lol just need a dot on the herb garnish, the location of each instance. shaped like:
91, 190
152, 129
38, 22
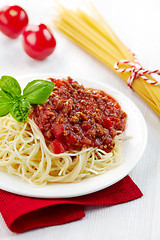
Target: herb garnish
17, 104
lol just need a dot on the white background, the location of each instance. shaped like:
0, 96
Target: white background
137, 24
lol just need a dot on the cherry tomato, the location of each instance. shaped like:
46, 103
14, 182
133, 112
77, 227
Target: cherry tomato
38, 41
13, 20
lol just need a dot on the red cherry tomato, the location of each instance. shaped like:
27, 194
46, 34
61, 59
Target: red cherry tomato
13, 20
38, 41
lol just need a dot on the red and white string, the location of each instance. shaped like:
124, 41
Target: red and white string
136, 71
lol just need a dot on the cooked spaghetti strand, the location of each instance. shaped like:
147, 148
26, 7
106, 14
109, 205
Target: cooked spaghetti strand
23, 152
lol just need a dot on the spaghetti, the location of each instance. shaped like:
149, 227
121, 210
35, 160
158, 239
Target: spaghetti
94, 35
23, 152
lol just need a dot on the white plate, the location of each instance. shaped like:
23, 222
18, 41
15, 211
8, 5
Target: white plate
132, 149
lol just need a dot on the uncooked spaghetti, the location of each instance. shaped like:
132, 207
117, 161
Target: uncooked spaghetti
92, 33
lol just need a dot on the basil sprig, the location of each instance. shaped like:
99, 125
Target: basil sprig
38, 91
17, 104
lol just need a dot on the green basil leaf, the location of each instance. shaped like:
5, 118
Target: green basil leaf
5, 108
6, 103
4, 97
20, 110
38, 91
10, 86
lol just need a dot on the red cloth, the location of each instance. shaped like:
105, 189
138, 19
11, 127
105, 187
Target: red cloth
25, 213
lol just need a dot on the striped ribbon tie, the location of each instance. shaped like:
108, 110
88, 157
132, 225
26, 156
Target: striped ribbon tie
136, 71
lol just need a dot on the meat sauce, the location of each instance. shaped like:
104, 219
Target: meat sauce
74, 117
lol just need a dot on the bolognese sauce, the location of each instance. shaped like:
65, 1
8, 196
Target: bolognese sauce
75, 117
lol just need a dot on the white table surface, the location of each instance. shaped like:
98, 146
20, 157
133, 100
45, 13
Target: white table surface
137, 24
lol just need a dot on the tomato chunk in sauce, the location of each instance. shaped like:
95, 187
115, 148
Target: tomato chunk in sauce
75, 117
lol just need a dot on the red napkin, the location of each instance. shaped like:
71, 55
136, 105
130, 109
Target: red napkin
23, 213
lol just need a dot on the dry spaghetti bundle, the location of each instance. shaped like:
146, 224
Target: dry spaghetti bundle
92, 33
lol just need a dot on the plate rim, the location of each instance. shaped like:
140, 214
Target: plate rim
97, 188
